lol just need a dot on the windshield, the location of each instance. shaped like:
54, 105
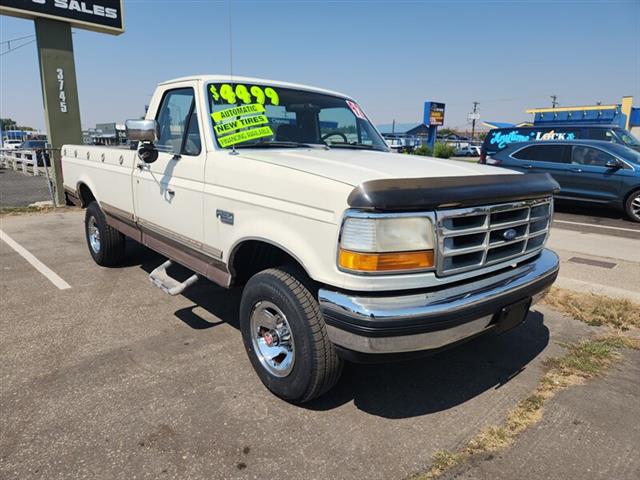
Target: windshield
260, 116
625, 152
34, 144
627, 138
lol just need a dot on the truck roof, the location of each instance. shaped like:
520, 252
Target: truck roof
253, 80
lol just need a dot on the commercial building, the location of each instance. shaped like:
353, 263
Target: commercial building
623, 115
105, 134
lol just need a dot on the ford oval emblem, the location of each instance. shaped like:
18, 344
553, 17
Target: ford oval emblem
509, 234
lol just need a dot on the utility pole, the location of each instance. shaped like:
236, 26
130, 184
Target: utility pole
473, 120
554, 102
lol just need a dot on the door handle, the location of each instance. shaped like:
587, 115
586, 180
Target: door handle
528, 166
143, 166
576, 170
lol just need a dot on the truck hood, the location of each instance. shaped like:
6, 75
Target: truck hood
354, 167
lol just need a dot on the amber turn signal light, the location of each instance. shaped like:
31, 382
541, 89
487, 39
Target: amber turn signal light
385, 262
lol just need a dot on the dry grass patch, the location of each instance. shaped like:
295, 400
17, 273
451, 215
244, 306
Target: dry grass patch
582, 361
12, 211
595, 309
443, 460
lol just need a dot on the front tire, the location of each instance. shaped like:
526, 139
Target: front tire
285, 336
106, 244
632, 206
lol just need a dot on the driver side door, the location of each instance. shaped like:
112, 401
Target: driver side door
169, 192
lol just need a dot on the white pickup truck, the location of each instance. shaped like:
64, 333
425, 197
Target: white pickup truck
345, 250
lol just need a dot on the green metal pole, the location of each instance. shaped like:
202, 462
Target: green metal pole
59, 92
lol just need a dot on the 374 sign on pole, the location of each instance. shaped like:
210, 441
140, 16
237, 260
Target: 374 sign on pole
104, 16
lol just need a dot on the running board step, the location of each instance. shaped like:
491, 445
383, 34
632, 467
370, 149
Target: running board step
161, 279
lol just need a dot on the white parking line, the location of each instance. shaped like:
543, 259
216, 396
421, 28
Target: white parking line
597, 226
37, 264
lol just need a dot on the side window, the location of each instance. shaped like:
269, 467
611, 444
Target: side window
178, 123
590, 156
545, 153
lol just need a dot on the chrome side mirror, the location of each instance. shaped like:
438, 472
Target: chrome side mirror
145, 132
142, 130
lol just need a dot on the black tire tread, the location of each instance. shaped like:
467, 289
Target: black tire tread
112, 242
328, 364
627, 206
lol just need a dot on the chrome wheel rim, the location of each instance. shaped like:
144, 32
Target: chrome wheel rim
272, 339
94, 235
635, 205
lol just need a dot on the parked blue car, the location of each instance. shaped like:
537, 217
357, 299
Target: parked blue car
590, 171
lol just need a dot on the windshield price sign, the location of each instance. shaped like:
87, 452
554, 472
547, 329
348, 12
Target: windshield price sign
433, 113
104, 16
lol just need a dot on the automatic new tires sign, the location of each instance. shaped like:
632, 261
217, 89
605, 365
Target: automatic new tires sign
104, 16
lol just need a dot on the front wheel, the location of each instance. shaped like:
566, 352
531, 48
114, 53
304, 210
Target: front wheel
106, 244
285, 337
632, 206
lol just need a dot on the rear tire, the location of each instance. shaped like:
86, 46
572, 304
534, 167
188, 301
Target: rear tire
632, 206
278, 311
106, 244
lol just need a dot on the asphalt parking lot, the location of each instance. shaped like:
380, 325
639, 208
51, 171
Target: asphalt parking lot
20, 190
111, 378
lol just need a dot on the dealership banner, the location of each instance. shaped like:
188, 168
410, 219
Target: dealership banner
101, 15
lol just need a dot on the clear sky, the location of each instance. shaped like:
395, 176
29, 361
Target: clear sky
390, 55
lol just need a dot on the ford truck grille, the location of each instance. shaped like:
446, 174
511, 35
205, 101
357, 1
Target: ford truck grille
476, 237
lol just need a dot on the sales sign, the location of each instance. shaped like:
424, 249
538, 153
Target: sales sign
433, 113
104, 16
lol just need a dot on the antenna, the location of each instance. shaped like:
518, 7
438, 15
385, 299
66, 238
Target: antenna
230, 44
233, 147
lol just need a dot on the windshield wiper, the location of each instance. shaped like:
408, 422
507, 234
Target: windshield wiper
355, 146
274, 144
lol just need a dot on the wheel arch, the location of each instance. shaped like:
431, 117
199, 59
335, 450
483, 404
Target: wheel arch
85, 194
264, 254
633, 190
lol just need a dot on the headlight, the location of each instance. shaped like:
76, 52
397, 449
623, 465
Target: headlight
386, 244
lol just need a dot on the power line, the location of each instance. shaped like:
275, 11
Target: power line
16, 48
16, 39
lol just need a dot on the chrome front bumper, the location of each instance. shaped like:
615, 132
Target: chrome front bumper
435, 318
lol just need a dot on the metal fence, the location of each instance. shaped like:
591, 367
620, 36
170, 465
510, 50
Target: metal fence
30, 162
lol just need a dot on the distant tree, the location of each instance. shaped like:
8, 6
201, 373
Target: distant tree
7, 124
10, 124
482, 135
446, 131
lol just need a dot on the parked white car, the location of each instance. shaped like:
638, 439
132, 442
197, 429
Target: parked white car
344, 250
11, 144
468, 151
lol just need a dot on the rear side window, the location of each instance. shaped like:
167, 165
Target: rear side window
178, 123
545, 153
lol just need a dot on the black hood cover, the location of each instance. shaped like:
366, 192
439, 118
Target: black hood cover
430, 193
